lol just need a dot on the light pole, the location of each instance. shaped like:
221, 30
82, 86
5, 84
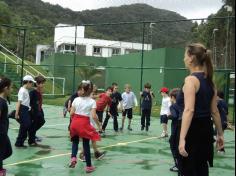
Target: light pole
151, 33
229, 9
214, 46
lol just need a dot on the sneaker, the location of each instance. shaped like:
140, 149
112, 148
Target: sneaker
20, 146
121, 129
142, 128
34, 144
164, 135
99, 155
38, 139
90, 169
174, 169
147, 129
3, 172
82, 157
221, 152
129, 128
73, 162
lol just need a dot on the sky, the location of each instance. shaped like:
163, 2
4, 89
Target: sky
190, 9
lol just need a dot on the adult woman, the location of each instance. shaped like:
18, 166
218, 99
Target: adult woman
198, 103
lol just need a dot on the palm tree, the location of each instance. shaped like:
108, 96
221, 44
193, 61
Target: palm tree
89, 72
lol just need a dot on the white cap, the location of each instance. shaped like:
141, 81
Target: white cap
29, 78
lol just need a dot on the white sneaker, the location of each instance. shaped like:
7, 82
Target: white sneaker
164, 135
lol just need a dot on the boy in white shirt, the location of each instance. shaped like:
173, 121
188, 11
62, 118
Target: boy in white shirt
165, 110
22, 110
129, 100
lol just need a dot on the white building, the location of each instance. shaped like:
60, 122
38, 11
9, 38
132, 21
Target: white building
64, 42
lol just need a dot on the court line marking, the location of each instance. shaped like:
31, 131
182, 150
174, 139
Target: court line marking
45, 126
66, 154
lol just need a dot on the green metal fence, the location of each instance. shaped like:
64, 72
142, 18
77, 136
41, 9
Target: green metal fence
128, 52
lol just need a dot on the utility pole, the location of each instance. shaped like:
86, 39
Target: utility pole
151, 33
214, 46
23, 55
229, 10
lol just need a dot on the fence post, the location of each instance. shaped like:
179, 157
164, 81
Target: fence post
74, 62
23, 56
63, 90
141, 78
53, 86
5, 64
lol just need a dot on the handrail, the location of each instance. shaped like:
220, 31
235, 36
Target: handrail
28, 72
10, 52
6, 56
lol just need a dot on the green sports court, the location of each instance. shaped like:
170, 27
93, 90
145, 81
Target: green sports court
133, 153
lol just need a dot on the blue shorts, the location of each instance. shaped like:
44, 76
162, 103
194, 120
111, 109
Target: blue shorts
164, 119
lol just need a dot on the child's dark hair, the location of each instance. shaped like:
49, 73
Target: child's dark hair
4, 82
114, 84
148, 86
220, 94
87, 86
174, 92
26, 82
40, 79
109, 88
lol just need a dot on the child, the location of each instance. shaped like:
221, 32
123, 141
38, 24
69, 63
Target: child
68, 103
65, 108
82, 108
116, 99
97, 154
223, 110
103, 102
165, 110
174, 116
22, 110
129, 100
71, 99
147, 96
5, 145
37, 114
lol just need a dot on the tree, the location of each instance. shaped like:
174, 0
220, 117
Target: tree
89, 72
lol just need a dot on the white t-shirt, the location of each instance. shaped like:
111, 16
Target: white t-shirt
84, 105
129, 100
165, 106
23, 96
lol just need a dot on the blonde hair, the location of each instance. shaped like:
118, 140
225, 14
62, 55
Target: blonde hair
202, 57
128, 86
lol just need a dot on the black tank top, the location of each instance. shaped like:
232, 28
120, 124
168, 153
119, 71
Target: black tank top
203, 99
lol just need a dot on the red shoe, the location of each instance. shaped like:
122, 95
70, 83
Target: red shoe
73, 162
90, 169
3, 172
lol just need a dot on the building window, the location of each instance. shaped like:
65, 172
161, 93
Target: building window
69, 48
116, 51
97, 51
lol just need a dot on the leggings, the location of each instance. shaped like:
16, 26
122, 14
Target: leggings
86, 146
